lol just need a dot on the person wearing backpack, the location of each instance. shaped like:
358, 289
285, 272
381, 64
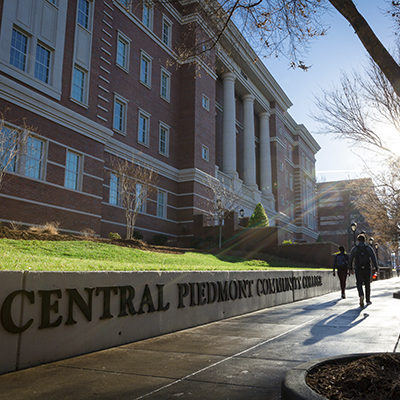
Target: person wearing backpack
341, 263
362, 255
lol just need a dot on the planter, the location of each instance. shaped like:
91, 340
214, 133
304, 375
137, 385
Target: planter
294, 386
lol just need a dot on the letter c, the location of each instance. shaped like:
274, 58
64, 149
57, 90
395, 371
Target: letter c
5, 313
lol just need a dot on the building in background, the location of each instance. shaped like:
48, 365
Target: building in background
95, 79
336, 212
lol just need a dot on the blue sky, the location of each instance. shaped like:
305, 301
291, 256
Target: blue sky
339, 51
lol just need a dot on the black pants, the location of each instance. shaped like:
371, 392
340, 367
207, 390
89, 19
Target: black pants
342, 274
363, 276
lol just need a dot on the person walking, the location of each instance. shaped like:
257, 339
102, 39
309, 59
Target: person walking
341, 264
362, 255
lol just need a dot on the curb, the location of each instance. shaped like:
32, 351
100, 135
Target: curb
294, 385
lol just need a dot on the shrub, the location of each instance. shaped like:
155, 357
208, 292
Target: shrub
15, 226
196, 241
137, 235
160, 240
88, 233
319, 239
50, 228
114, 236
259, 217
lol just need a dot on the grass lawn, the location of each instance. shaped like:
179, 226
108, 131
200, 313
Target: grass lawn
36, 255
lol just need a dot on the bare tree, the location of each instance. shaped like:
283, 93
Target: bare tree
13, 145
223, 202
359, 108
133, 184
378, 200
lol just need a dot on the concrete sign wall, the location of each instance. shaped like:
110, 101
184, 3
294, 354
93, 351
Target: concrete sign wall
48, 316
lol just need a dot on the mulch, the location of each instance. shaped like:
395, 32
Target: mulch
374, 377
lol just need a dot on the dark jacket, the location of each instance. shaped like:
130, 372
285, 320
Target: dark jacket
335, 264
370, 252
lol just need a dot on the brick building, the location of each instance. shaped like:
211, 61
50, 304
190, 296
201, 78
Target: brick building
336, 212
95, 79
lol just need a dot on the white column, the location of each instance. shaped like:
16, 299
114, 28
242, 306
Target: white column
265, 155
249, 148
229, 125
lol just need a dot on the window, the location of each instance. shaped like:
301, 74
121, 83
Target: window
144, 128
42, 64
147, 14
125, 3
166, 32
145, 69
115, 192
291, 182
282, 200
165, 84
19, 45
83, 13
140, 197
8, 149
281, 165
72, 170
161, 195
123, 52
205, 102
205, 153
78, 85
120, 115
34, 157
164, 140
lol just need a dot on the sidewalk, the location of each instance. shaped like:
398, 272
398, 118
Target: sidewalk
241, 358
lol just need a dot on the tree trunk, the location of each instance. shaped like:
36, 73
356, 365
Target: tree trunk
370, 41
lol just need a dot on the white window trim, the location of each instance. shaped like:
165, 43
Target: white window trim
123, 38
164, 204
205, 102
118, 192
168, 75
167, 21
143, 207
151, 19
80, 169
123, 6
146, 115
90, 19
42, 167
144, 55
207, 153
85, 100
51, 56
167, 129
119, 99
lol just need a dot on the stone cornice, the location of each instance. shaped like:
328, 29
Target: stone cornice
30, 100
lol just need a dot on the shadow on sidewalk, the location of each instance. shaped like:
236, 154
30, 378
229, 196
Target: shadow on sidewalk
335, 325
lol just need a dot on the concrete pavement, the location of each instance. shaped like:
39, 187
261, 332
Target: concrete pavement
245, 357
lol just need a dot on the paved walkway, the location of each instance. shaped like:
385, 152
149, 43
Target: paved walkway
241, 358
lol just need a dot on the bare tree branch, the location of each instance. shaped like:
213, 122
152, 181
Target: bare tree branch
223, 200
13, 145
135, 183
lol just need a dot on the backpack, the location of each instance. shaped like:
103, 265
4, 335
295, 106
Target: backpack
362, 257
341, 261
